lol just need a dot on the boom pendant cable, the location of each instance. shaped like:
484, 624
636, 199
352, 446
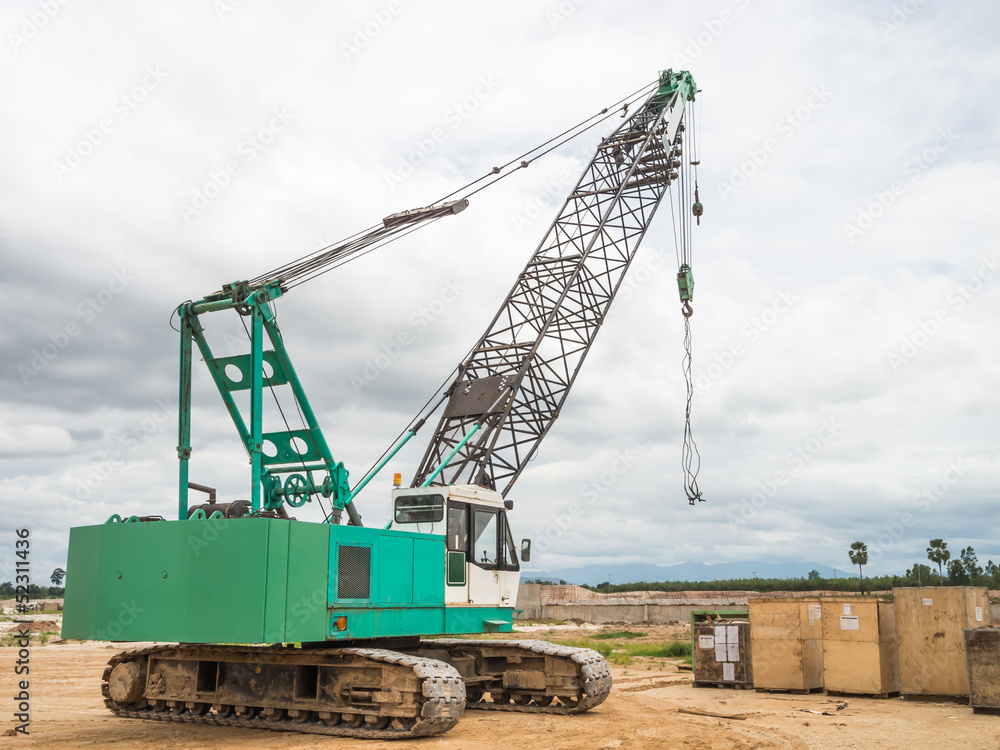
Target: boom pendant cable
399, 225
396, 226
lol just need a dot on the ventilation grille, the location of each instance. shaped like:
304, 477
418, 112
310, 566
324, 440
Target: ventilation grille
354, 572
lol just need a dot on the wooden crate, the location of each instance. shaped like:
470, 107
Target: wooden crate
859, 646
786, 639
982, 657
722, 653
929, 633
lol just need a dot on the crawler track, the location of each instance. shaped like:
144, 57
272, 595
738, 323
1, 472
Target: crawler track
528, 676
359, 692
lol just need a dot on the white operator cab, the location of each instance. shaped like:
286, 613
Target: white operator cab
482, 566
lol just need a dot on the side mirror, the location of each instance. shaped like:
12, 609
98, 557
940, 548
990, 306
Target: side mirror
525, 550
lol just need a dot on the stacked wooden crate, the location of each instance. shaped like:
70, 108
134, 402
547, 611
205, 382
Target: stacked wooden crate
786, 637
929, 631
859, 646
982, 656
722, 653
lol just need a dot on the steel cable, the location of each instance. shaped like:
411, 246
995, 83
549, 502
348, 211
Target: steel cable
690, 456
361, 243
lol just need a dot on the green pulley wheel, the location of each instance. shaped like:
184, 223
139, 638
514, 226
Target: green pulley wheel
297, 490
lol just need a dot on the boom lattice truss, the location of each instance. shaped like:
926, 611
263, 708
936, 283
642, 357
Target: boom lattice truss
510, 389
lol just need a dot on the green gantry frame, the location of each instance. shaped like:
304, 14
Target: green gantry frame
287, 466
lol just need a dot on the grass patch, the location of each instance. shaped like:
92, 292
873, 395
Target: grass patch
615, 635
604, 649
14, 639
672, 649
622, 652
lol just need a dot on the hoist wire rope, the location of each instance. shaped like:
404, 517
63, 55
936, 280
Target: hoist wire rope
681, 195
325, 259
359, 244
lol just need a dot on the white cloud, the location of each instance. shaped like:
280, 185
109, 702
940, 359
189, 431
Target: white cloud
19, 440
354, 119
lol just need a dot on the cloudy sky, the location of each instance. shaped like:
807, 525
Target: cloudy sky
848, 284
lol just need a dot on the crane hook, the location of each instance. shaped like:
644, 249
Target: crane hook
686, 310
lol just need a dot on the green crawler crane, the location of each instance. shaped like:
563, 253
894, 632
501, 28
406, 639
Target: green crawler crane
372, 608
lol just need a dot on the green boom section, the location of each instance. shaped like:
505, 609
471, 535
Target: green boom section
260, 580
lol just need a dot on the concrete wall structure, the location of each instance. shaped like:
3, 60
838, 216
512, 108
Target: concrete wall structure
576, 603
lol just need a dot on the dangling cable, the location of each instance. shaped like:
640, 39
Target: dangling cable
690, 457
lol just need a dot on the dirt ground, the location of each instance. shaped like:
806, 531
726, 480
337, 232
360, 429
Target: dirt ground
645, 710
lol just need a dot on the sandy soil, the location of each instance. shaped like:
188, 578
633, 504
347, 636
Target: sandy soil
651, 633
643, 711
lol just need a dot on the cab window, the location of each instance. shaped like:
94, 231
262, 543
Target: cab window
484, 546
509, 550
458, 528
419, 508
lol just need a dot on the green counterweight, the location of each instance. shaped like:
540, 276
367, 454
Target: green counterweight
152, 582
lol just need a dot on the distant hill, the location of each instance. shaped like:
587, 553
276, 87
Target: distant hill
691, 571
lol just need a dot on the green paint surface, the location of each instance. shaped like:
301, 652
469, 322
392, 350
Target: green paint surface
169, 580
258, 580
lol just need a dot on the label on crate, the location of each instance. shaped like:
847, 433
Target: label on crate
720, 633
706, 641
815, 613
733, 651
928, 602
847, 609
728, 672
849, 623
733, 634
720, 651
979, 614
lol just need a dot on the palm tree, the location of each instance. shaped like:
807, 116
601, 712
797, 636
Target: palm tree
938, 552
859, 556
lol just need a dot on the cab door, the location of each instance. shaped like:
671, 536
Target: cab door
484, 557
456, 580
509, 567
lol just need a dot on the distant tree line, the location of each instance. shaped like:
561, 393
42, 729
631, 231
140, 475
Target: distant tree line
918, 575
7, 591
545, 582
964, 570
761, 585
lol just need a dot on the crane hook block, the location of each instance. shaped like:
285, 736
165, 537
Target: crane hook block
685, 283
